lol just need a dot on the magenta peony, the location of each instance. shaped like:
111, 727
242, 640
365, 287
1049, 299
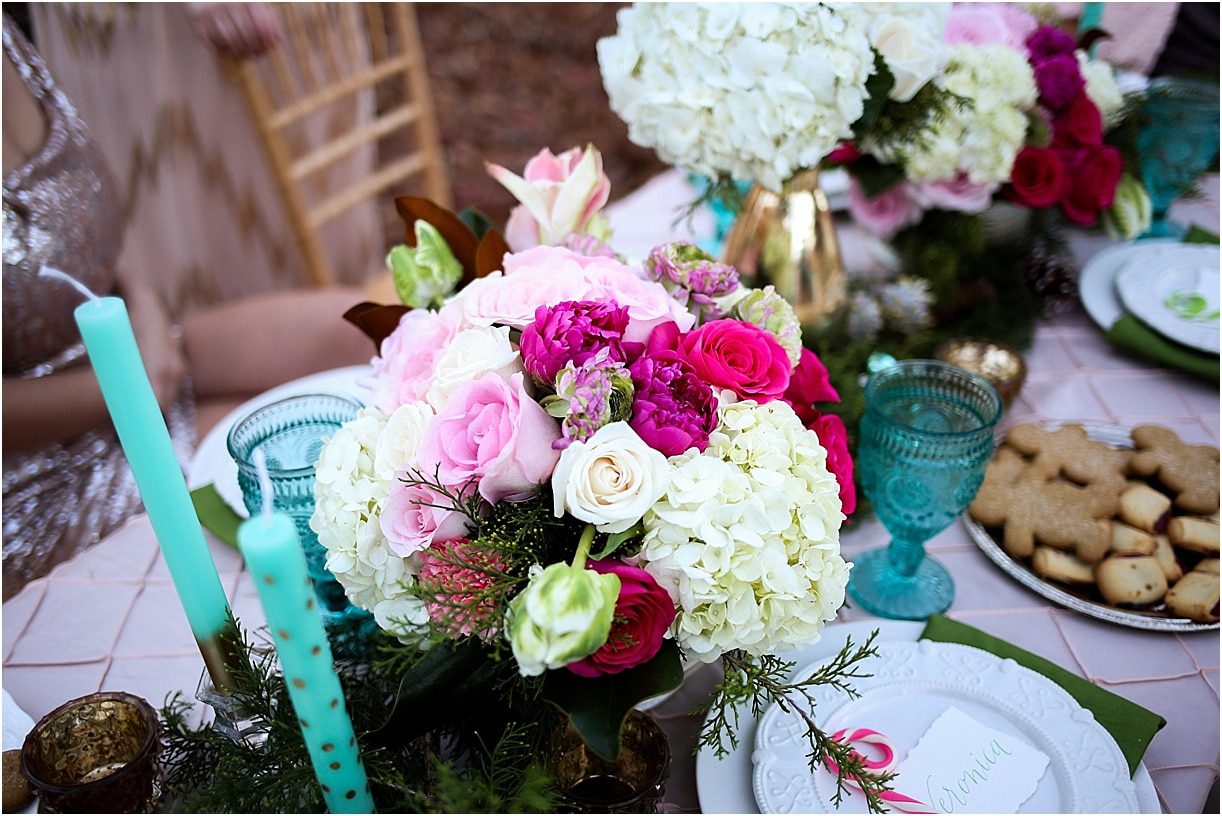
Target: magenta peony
672, 409
810, 383
1047, 42
572, 331
455, 577
835, 440
1059, 80
740, 357
643, 614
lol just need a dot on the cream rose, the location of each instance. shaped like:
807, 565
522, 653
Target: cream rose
915, 54
470, 355
610, 480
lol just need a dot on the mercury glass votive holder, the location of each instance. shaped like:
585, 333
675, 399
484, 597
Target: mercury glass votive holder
95, 754
1001, 365
633, 783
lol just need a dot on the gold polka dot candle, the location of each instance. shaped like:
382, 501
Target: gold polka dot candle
272, 549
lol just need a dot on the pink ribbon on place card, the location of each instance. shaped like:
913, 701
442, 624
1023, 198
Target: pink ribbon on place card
885, 764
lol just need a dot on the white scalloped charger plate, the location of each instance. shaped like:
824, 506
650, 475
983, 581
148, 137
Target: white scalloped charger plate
724, 785
1151, 285
915, 683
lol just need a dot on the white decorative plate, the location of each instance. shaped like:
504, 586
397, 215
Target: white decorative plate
212, 462
915, 683
1173, 289
1097, 283
724, 784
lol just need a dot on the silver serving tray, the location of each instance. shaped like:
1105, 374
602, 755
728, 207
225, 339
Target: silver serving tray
1085, 599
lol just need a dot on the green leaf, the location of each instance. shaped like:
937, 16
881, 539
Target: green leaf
876, 178
616, 540
477, 221
878, 86
449, 678
598, 706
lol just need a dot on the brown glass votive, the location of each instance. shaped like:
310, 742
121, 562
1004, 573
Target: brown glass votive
1001, 365
95, 754
634, 783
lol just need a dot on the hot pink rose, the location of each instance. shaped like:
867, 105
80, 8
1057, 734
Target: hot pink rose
643, 613
403, 372
989, 24
835, 440
492, 431
415, 516
740, 357
886, 213
559, 195
809, 383
959, 194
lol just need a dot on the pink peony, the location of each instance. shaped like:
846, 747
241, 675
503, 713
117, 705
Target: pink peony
456, 577
835, 440
672, 409
886, 213
492, 431
643, 614
403, 372
810, 383
740, 357
572, 331
559, 195
959, 194
992, 24
415, 516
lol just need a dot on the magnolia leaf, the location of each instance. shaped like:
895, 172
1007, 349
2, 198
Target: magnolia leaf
490, 256
1091, 36
878, 87
458, 236
598, 706
375, 320
616, 540
449, 678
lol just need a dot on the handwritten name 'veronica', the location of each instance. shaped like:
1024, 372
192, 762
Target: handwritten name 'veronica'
955, 792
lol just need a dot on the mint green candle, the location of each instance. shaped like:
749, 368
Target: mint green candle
142, 431
277, 565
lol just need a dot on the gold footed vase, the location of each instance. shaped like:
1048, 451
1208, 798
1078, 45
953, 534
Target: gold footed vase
788, 240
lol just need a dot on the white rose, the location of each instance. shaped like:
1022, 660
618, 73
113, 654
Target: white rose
396, 447
913, 59
1101, 87
610, 480
470, 355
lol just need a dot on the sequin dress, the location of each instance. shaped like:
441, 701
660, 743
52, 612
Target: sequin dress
60, 209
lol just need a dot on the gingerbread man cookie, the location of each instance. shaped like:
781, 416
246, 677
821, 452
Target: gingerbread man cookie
1189, 470
1068, 451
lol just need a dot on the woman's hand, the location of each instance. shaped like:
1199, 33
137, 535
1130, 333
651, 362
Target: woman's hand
160, 344
239, 30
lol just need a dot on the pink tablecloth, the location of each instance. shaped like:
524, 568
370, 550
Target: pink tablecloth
110, 620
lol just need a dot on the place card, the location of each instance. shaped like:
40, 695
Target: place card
963, 766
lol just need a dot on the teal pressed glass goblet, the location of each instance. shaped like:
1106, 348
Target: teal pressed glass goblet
1177, 144
923, 445
291, 433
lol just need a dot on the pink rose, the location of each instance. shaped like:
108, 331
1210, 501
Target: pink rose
491, 431
886, 213
648, 303
414, 517
835, 440
643, 613
809, 383
991, 24
559, 195
403, 372
959, 194
740, 357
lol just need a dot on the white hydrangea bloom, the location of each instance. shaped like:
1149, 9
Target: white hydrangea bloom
982, 139
753, 91
350, 486
746, 538
1101, 87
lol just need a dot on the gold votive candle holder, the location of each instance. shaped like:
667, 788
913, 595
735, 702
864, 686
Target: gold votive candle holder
95, 754
633, 783
1001, 365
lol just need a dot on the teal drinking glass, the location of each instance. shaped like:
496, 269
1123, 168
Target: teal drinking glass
923, 445
291, 433
1177, 143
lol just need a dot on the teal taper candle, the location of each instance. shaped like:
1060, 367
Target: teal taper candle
142, 431
273, 554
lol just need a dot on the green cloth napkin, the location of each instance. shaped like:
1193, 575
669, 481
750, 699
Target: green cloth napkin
215, 514
1199, 235
1132, 335
1129, 724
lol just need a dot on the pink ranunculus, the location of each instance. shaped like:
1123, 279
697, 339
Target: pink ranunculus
809, 383
492, 431
989, 24
886, 213
740, 357
558, 194
415, 516
403, 371
643, 614
835, 440
959, 194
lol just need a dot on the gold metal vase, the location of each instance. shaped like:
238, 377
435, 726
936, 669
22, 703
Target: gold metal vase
788, 240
